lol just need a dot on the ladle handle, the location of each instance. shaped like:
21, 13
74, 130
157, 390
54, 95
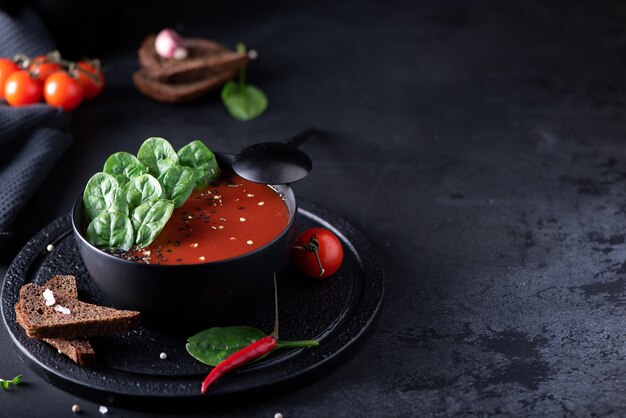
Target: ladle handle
303, 136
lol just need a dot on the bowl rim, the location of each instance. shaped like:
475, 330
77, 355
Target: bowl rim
78, 203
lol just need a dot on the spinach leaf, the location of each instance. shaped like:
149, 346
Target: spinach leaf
178, 183
197, 156
243, 101
142, 189
158, 155
124, 166
102, 195
149, 219
111, 230
213, 345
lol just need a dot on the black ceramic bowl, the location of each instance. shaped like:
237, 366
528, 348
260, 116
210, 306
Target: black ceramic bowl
215, 293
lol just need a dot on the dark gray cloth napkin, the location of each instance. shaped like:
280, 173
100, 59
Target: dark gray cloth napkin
32, 138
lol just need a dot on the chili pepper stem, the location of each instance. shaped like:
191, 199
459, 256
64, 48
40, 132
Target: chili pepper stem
297, 344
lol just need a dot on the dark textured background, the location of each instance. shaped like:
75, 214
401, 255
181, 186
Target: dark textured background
479, 144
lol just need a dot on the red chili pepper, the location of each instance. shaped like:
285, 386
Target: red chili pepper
239, 358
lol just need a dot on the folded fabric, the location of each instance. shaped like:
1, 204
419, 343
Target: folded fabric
32, 138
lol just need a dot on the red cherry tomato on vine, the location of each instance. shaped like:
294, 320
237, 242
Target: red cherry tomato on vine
91, 78
317, 252
21, 89
61, 90
7, 67
42, 68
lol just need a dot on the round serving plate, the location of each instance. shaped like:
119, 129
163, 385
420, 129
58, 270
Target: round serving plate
338, 312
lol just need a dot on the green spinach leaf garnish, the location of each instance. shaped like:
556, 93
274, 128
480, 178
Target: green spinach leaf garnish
178, 182
213, 345
197, 156
142, 189
112, 230
124, 167
158, 155
149, 219
243, 101
102, 195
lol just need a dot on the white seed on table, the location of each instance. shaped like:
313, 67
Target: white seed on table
76, 408
103, 409
163, 356
278, 415
50, 248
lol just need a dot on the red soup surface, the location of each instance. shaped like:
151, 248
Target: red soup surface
229, 218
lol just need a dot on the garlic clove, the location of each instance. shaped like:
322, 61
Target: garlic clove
169, 44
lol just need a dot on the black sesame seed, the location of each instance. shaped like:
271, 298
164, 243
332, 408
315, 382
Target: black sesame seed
169, 250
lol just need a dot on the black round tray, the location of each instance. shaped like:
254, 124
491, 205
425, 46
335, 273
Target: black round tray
337, 311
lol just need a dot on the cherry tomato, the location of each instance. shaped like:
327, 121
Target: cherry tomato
317, 253
21, 89
61, 90
91, 78
7, 67
42, 68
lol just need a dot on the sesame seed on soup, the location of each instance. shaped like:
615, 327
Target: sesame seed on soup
230, 217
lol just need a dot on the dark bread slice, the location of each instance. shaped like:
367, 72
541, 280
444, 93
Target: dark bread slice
176, 93
205, 60
84, 320
80, 351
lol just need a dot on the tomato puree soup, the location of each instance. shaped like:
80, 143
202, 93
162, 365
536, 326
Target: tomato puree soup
230, 217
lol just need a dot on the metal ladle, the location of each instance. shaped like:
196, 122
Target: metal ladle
275, 162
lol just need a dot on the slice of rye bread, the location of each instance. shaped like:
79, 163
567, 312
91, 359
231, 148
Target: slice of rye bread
177, 93
80, 351
205, 59
84, 319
